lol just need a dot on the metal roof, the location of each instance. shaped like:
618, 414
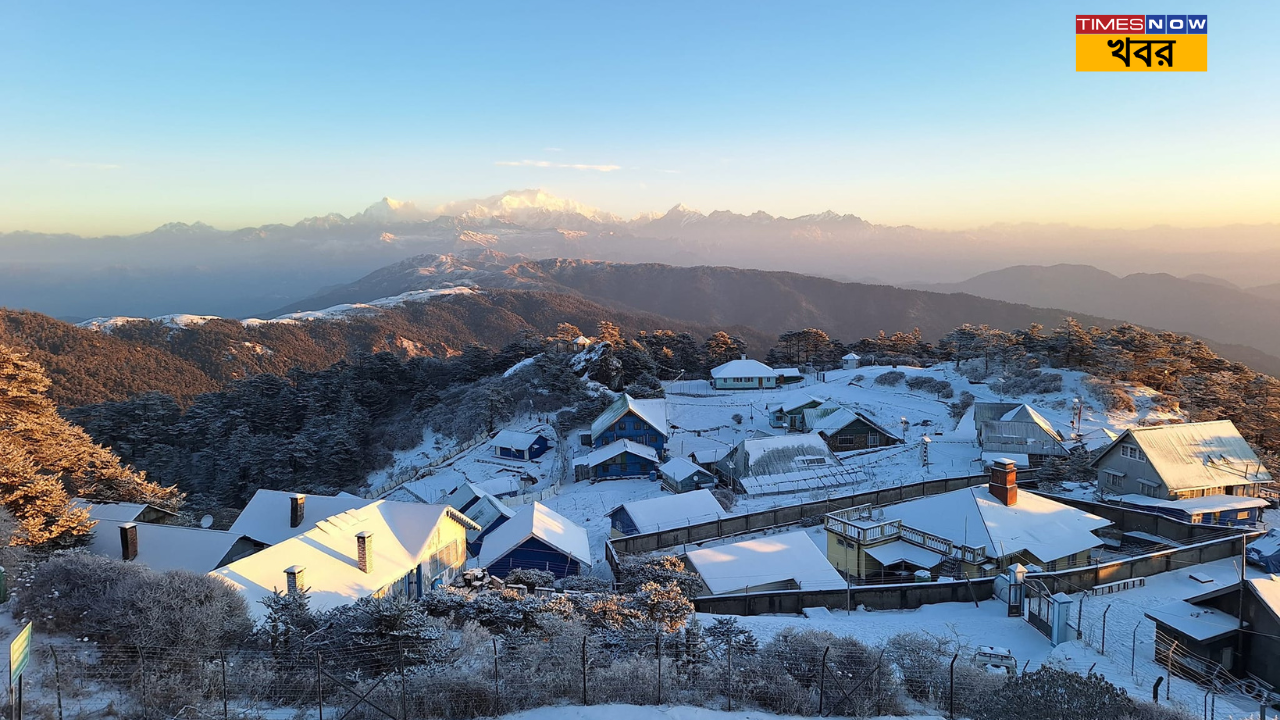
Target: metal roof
1189, 456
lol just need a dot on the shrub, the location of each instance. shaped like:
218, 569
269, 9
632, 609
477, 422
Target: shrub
726, 497
737, 418
635, 571
1113, 397
961, 405
127, 603
530, 578
891, 378
1028, 381
584, 583
1055, 694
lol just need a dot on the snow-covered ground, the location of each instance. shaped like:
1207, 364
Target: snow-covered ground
988, 624
641, 712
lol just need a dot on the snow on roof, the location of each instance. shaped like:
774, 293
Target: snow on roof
677, 468
478, 504
743, 369
852, 356
616, 448
166, 547
1199, 623
653, 412
1268, 591
1189, 456
537, 521
672, 511
402, 540
773, 454
514, 440
1196, 506
1021, 460
796, 403
764, 561
710, 455
110, 511
266, 517
1026, 413
828, 420
1043, 527
788, 372
899, 551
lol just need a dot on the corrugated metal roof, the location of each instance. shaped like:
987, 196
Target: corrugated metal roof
1189, 456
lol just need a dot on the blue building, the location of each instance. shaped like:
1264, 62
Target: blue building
1233, 510
537, 538
640, 421
618, 459
519, 445
482, 508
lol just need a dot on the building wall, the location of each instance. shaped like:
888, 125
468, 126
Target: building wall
745, 383
695, 481
1132, 469
628, 465
631, 427
534, 554
856, 436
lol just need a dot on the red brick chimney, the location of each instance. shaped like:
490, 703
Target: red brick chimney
297, 510
128, 541
364, 550
1004, 481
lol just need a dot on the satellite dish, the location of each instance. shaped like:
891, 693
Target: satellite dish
206, 522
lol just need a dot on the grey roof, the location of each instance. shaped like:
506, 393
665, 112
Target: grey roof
1189, 456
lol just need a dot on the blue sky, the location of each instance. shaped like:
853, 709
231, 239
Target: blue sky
117, 117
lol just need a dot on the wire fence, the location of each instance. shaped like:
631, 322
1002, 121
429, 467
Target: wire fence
473, 674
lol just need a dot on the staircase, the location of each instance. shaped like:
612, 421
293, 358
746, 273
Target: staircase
950, 567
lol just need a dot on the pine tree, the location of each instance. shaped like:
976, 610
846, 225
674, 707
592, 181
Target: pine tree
37, 501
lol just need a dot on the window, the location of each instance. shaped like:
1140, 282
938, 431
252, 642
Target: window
813, 461
1242, 515
873, 439
1132, 453
1149, 489
1112, 480
845, 440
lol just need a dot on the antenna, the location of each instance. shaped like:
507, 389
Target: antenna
206, 522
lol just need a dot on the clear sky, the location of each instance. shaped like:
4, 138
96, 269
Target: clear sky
117, 117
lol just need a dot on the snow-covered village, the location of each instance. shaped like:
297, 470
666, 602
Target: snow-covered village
883, 528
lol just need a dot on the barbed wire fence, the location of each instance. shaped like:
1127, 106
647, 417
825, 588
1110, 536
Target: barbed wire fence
478, 675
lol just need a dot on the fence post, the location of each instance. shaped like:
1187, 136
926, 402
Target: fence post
1133, 651
1169, 663
496, 695
1104, 629
657, 645
1080, 617
142, 673
822, 679
319, 686
951, 694
225, 710
584, 669
729, 692
57, 679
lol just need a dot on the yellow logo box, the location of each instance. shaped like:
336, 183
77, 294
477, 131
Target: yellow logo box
1142, 53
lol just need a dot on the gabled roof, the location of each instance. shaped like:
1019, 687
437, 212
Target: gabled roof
653, 412
671, 511
743, 368
829, 420
1268, 591
166, 547
1189, 456
402, 540
616, 448
537, 521
115, 511
1043, 527
852, 356
678, 468
763, 561
774, 454
514, 439
1202, 624
796, 403
266, 517
478, 504
1028, 414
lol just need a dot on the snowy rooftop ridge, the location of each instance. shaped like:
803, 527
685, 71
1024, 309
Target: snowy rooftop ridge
537, 521
653, 412
266, 517
616, 448
743, 368
166, 547
670, 511
765, 561
514, 439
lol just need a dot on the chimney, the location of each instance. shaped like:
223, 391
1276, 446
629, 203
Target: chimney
297, 510
293, 579
1004, 481
364, 548
744, 356
129, 541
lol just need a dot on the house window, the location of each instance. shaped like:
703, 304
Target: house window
873, 439
1242, 515
845, 440
1112, 480
1149, 489
1132, 453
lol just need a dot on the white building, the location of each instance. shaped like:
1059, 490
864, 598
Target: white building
789, 561
851, 361
744, 374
